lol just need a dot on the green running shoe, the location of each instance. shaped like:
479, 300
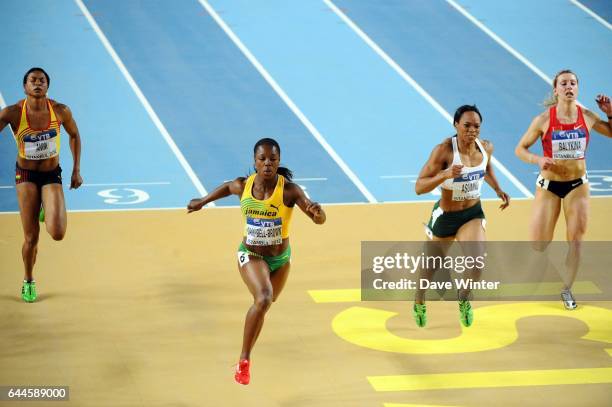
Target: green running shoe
467, 316
28, 291
41, 214
420, 316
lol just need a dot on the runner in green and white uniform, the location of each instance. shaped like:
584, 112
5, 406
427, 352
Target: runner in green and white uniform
459, 165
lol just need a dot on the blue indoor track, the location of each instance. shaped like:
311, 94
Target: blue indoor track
192, 86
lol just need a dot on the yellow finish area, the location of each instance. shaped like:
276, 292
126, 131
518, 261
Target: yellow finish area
339, 295
146, 309
413, 405
491, 379
494, 328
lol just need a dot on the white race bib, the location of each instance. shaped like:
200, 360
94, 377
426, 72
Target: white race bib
40, 146
264, 232
243, 258
467, 186
569, 144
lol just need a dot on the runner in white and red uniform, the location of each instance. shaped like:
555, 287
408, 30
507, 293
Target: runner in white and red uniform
564, 141
564, 131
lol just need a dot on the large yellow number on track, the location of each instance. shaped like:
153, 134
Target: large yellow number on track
494, 327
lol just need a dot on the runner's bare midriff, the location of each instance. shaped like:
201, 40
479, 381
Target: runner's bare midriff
448, 205
565, 170
38, 165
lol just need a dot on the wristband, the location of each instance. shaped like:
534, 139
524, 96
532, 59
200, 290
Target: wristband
609, 117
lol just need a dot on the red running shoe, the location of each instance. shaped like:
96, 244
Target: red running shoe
243, 376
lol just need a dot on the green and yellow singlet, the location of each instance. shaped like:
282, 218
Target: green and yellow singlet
266, 221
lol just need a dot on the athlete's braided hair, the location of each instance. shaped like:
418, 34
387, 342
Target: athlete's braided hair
285, 172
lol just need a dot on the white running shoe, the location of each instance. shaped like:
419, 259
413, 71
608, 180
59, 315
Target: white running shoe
568, 299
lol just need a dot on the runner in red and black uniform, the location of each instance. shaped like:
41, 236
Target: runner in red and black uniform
36, 122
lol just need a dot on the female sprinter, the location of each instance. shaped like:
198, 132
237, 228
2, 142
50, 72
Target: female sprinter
267, 199
564, 131
36, 122
459, 165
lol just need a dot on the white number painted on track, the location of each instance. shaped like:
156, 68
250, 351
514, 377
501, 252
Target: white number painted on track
604, 186
116, 196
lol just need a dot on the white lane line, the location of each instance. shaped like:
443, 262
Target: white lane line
235, 207
309, 179
500, 41
518, 184
281, 93
160, 126
503, 44
388, 59
110, 184
2, 106
592, 14
294, 179
588, 171
397, 176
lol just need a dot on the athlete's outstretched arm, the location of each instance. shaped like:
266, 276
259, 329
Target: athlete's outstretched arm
491, 179
602, 126
533, 133
228, 188
433, 173
5, 116
75, 144
312, 209
4, 120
